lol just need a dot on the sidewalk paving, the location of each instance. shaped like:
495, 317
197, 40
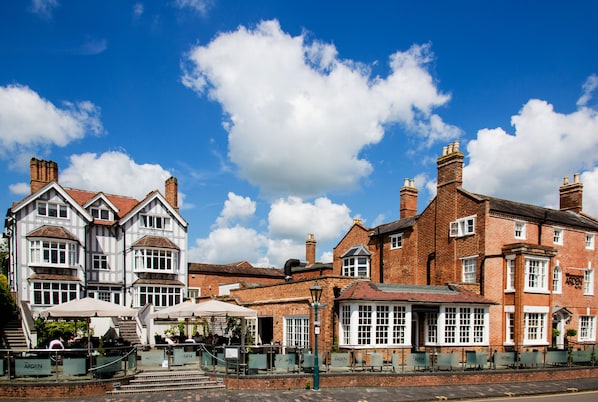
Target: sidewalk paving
365, 394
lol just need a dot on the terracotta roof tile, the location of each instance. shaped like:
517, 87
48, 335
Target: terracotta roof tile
235, 269
365, 290
154, 241
54, 232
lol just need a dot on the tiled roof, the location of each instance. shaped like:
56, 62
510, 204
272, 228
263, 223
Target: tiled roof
53, 277
54, 232
124, 204
355, 251
540, 214
147, 281
365, 290
236, 269
155, 241
394, 226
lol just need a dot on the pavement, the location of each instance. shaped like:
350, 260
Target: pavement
364, 394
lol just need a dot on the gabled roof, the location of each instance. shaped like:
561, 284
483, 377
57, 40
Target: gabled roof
357, 251
540, 214
121, 204
234, 269
53, 232
155, 241
369, 291
395, 226
60, 190
149, 198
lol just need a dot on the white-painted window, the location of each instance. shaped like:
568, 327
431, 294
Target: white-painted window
535, 327
536, 274
520, 230
557, 280
53, 253
103, 214
296, 332
587, 328
588, 282
156, 222
52, 209
396, 241
99, 262
463, 227
469, 269
590, 241
51, 293
159, 296
510, 280
557, 236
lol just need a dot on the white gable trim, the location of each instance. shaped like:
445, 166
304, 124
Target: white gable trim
152, 196
58, 188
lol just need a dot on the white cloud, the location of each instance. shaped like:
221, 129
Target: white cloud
20, 188
588, 88
138, 9
226, 245
92, 47
292, 218
43, 8
113, 173
199, 6
29, 124
235, 208
529, 165
299, 117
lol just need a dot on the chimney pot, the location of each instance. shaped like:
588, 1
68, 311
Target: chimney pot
406, 183
456, 146
576, 178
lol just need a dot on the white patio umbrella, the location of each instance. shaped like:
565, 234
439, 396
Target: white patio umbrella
210, 308
87, 308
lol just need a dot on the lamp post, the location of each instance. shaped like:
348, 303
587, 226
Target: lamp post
316, 293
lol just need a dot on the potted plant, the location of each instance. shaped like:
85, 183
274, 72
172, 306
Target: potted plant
570, 332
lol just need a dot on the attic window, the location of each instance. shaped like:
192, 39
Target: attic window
100, 213
52, 209
463, 227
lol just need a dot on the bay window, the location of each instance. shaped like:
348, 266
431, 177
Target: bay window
53, 252
159, 260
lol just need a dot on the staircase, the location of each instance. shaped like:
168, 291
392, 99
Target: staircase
128, 331
14, 337
167, 381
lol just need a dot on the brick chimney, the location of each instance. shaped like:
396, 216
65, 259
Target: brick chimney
41, 173
310, 249
450, 166
571, 195
171, 188
408, 199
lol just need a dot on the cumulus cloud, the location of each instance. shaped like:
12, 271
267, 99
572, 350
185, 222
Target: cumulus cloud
299, 117
43, 8
114, 173
529, 164
235, 208
293, 218
289, 222
138, 9
30, 124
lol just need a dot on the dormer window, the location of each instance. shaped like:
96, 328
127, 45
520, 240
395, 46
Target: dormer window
463, 227
356, 262
102, 214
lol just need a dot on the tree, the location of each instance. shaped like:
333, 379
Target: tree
7, 304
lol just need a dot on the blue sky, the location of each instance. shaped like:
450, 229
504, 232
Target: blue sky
283, 118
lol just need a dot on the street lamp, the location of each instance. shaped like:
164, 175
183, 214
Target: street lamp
316, 293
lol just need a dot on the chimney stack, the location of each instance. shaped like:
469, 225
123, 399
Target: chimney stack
171, 188
571, 195
408, 199
450, 166
310, 249
42, 172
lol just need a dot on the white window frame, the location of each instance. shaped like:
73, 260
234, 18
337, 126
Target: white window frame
587, 328
469, 269
356, 265
557, 237
99, 262
53, 253
192, 292
520, 230
159, 295
374, 325
51, 293
588, 282
557, 279
590, 240
52, 209
101, 213
510, 277
536, 274
396, 241
157, 222
155, 260
463, 227
535, 325
509, 325
296, 331
105, 293
463, 325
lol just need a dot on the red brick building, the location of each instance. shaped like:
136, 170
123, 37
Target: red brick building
535, 264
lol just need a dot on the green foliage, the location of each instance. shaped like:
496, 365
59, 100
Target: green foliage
48, 330
7, 304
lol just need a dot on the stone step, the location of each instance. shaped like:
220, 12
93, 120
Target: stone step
163, 384
164, 388
149, 380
